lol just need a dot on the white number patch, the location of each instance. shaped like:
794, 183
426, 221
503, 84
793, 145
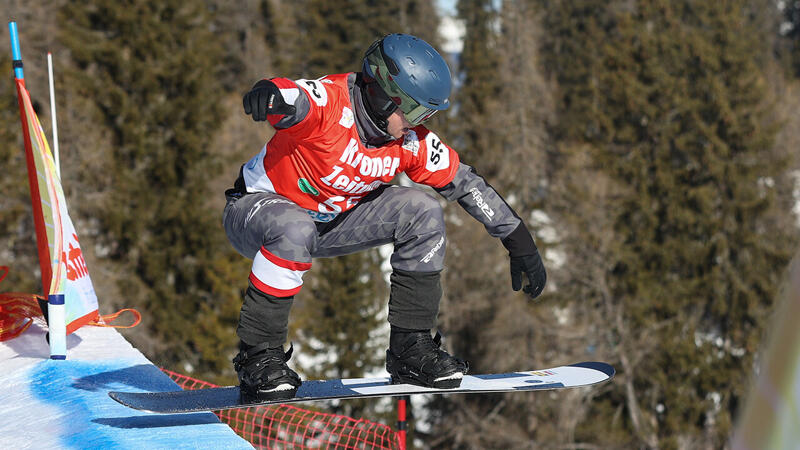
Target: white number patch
438, 154
315, 90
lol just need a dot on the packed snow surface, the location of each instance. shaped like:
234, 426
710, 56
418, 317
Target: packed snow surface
65, 404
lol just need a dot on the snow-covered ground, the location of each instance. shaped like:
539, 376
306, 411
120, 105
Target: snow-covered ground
65, 404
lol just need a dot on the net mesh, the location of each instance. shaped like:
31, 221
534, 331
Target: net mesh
290, 427
17, 311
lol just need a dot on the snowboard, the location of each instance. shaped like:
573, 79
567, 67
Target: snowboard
215, 399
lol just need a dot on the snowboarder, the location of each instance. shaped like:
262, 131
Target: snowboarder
319, 188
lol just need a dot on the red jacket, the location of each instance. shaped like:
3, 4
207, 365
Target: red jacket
320, 163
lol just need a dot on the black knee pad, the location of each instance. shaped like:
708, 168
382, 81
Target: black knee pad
264, 318
414, 299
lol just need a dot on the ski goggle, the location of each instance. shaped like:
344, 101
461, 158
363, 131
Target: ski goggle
382, 69
415, 113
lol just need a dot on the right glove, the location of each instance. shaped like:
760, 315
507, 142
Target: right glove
525, 259
530, 265
265, 98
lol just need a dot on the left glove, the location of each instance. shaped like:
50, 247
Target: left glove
525, 259
265, 98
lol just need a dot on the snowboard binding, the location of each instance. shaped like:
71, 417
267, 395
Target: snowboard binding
416, 358
263, 373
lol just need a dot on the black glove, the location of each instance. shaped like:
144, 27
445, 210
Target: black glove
525, 258
265, 98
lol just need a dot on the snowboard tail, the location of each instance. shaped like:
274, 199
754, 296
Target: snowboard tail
221, 398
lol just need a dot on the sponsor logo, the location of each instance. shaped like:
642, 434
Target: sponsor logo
343, 183
543, 373
411, 142
253, 162
307, 187
347, 119
369, 166
261, 203
321, 217
485, 208
76, 265
433, 251
366, 167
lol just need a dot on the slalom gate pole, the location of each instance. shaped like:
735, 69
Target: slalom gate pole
57, 324
402, 424
55, 310
53, 113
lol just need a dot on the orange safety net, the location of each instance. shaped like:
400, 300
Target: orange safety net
104, 320
287, 426
17, 311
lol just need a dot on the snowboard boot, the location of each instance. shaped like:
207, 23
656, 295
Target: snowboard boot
415, 357
263, 373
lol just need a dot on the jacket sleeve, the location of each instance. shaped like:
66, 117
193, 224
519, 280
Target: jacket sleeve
429, 160
481, 201
293, 95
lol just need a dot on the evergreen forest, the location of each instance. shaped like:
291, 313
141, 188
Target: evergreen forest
650, 146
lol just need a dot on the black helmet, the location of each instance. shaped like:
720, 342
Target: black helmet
411, 75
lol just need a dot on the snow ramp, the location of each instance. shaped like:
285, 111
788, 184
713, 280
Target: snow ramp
65, 404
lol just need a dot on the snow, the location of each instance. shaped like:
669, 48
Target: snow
796, 195
65, 404
452, 31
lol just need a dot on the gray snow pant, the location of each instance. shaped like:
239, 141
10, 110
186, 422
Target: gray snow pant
270, 225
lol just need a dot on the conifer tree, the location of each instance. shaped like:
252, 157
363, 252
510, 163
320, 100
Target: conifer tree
478, 144
500, 112
789, 32
663, 107
149, 68
479, 97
